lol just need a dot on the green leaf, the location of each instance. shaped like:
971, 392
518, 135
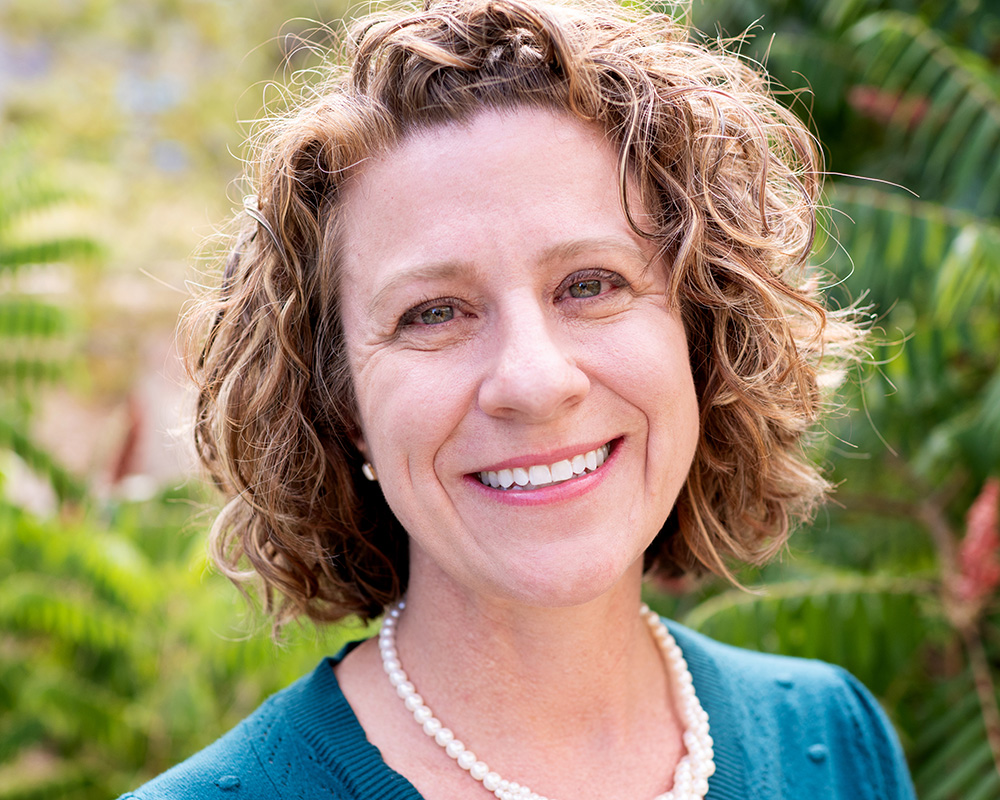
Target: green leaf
65, 485
71, 248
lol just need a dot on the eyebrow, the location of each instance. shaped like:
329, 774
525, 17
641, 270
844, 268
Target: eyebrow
443, 270
567, 250
563, 251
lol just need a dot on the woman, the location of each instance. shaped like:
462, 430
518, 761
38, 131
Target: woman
519, 313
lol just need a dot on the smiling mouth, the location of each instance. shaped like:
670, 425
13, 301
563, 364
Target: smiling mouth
539, 475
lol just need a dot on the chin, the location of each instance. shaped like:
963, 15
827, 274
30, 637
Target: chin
566, 583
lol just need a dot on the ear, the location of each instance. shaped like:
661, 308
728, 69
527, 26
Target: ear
358, 439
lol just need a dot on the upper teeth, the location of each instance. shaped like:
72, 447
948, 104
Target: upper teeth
546, 474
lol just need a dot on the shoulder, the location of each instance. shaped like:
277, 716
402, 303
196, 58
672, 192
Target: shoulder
230, 767
765, 675
264, 756
782, 683
811, 722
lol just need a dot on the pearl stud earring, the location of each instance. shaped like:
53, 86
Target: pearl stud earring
369, 471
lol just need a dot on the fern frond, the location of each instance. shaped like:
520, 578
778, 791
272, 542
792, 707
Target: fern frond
47, 251
29, 605
846, 619
932, 274
946, 125
951, 755
65, 485
24, 190
111, 566
29, 318
934, 256
28, 371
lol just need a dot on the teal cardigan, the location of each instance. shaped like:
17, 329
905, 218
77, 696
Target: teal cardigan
783, 728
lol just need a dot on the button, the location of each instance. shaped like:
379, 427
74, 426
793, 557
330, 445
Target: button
818, 753
228, 783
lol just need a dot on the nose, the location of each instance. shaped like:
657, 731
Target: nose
533, 375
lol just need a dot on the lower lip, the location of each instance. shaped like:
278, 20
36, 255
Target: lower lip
554, 493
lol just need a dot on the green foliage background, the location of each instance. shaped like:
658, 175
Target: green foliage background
121, 652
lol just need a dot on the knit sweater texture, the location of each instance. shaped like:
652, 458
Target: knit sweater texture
784, 729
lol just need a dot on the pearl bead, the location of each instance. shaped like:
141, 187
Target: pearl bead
405, 689
454, 748
466, 759
491, 781
432, 726
422, 714
397, 676
479, 770
413, 702
443, 736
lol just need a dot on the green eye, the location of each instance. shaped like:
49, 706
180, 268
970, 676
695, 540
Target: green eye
582, 289
436, 315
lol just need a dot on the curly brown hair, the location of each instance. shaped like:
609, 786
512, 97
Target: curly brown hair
730, 179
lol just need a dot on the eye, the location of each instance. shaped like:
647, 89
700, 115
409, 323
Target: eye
432, 312
590, 283
587, 288
435, 315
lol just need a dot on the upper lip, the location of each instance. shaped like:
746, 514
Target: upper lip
549, 457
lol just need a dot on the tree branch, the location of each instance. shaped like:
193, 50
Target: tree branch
986, 690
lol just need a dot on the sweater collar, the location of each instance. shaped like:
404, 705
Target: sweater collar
327, 723
726, 717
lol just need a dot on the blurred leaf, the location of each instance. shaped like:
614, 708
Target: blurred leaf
66, 486
17, 256
838, 618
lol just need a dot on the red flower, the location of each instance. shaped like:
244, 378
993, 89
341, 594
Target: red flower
979, 553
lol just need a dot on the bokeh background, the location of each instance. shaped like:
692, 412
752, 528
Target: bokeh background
121, 130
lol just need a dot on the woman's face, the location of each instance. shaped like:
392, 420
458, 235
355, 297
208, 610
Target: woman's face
504, 324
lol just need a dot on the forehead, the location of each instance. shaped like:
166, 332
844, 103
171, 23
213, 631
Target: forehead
504, 187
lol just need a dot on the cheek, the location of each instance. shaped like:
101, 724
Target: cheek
649, 359
652, 371
673, 395
409, 408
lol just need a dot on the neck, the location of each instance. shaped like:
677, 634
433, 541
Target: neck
512, 674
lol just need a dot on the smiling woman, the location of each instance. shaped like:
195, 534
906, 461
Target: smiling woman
520, 312
549, 336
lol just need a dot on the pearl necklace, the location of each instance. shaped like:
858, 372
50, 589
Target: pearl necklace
690, 777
